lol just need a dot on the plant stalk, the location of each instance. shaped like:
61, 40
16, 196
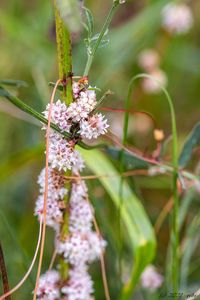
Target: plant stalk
101, 35
64, 52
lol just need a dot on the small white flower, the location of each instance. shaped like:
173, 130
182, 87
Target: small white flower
153, 171
83, 105
80, 249
177, 18
56, 183
75, 250
79, 192
62, 156
93, 126
54, 214
153, 86
48, 286
80, 285
81, 217
76, 89
151, 279
59, 115
149, 60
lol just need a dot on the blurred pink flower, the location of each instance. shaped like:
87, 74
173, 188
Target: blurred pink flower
177, 18
151, 279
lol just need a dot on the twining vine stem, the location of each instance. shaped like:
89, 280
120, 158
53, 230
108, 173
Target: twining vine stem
45, 192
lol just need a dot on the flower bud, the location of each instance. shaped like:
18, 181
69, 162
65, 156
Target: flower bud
158, 135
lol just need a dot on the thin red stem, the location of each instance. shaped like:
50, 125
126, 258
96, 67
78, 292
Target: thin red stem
46, 190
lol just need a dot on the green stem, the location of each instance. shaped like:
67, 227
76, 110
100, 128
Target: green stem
29, 110
126, 294
32, 112
65, 73
101, 35
24, 107
64, 57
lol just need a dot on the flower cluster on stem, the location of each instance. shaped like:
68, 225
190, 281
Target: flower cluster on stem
82, 245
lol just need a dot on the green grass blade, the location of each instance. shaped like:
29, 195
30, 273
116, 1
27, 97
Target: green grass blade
191, 242
193, 140
13, 82
140, 232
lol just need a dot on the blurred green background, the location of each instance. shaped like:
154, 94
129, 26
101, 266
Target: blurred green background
28, 52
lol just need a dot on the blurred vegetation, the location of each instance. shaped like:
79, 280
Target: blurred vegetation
28, 53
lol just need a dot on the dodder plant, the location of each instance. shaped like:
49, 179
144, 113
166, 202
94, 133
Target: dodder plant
64, 204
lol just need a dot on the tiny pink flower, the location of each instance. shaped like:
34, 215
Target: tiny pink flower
177, 18
151, 279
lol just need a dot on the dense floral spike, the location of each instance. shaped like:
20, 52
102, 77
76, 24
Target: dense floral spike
80, 217
80, 249
48, 288
93, 126
83, 245
80, 285
83, 106
56, 183
56, 193
54, 215
62, 155
151, 279
79, 191
177, 18
59, 115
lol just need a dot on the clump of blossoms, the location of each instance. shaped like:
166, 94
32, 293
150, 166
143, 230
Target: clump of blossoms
151, 279
82, 245
149, 61
177, 18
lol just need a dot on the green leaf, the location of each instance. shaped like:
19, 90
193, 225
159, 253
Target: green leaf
70, 12
90, 21
13, 82
96, 36
190, 244
192, 141
103, 43
26, 108
140, 232
131, 161
135, 30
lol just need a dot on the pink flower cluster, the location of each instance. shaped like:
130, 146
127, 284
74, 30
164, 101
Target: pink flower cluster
151, 279
56, 194
177, 18
149, 61
48, 288
82, 245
